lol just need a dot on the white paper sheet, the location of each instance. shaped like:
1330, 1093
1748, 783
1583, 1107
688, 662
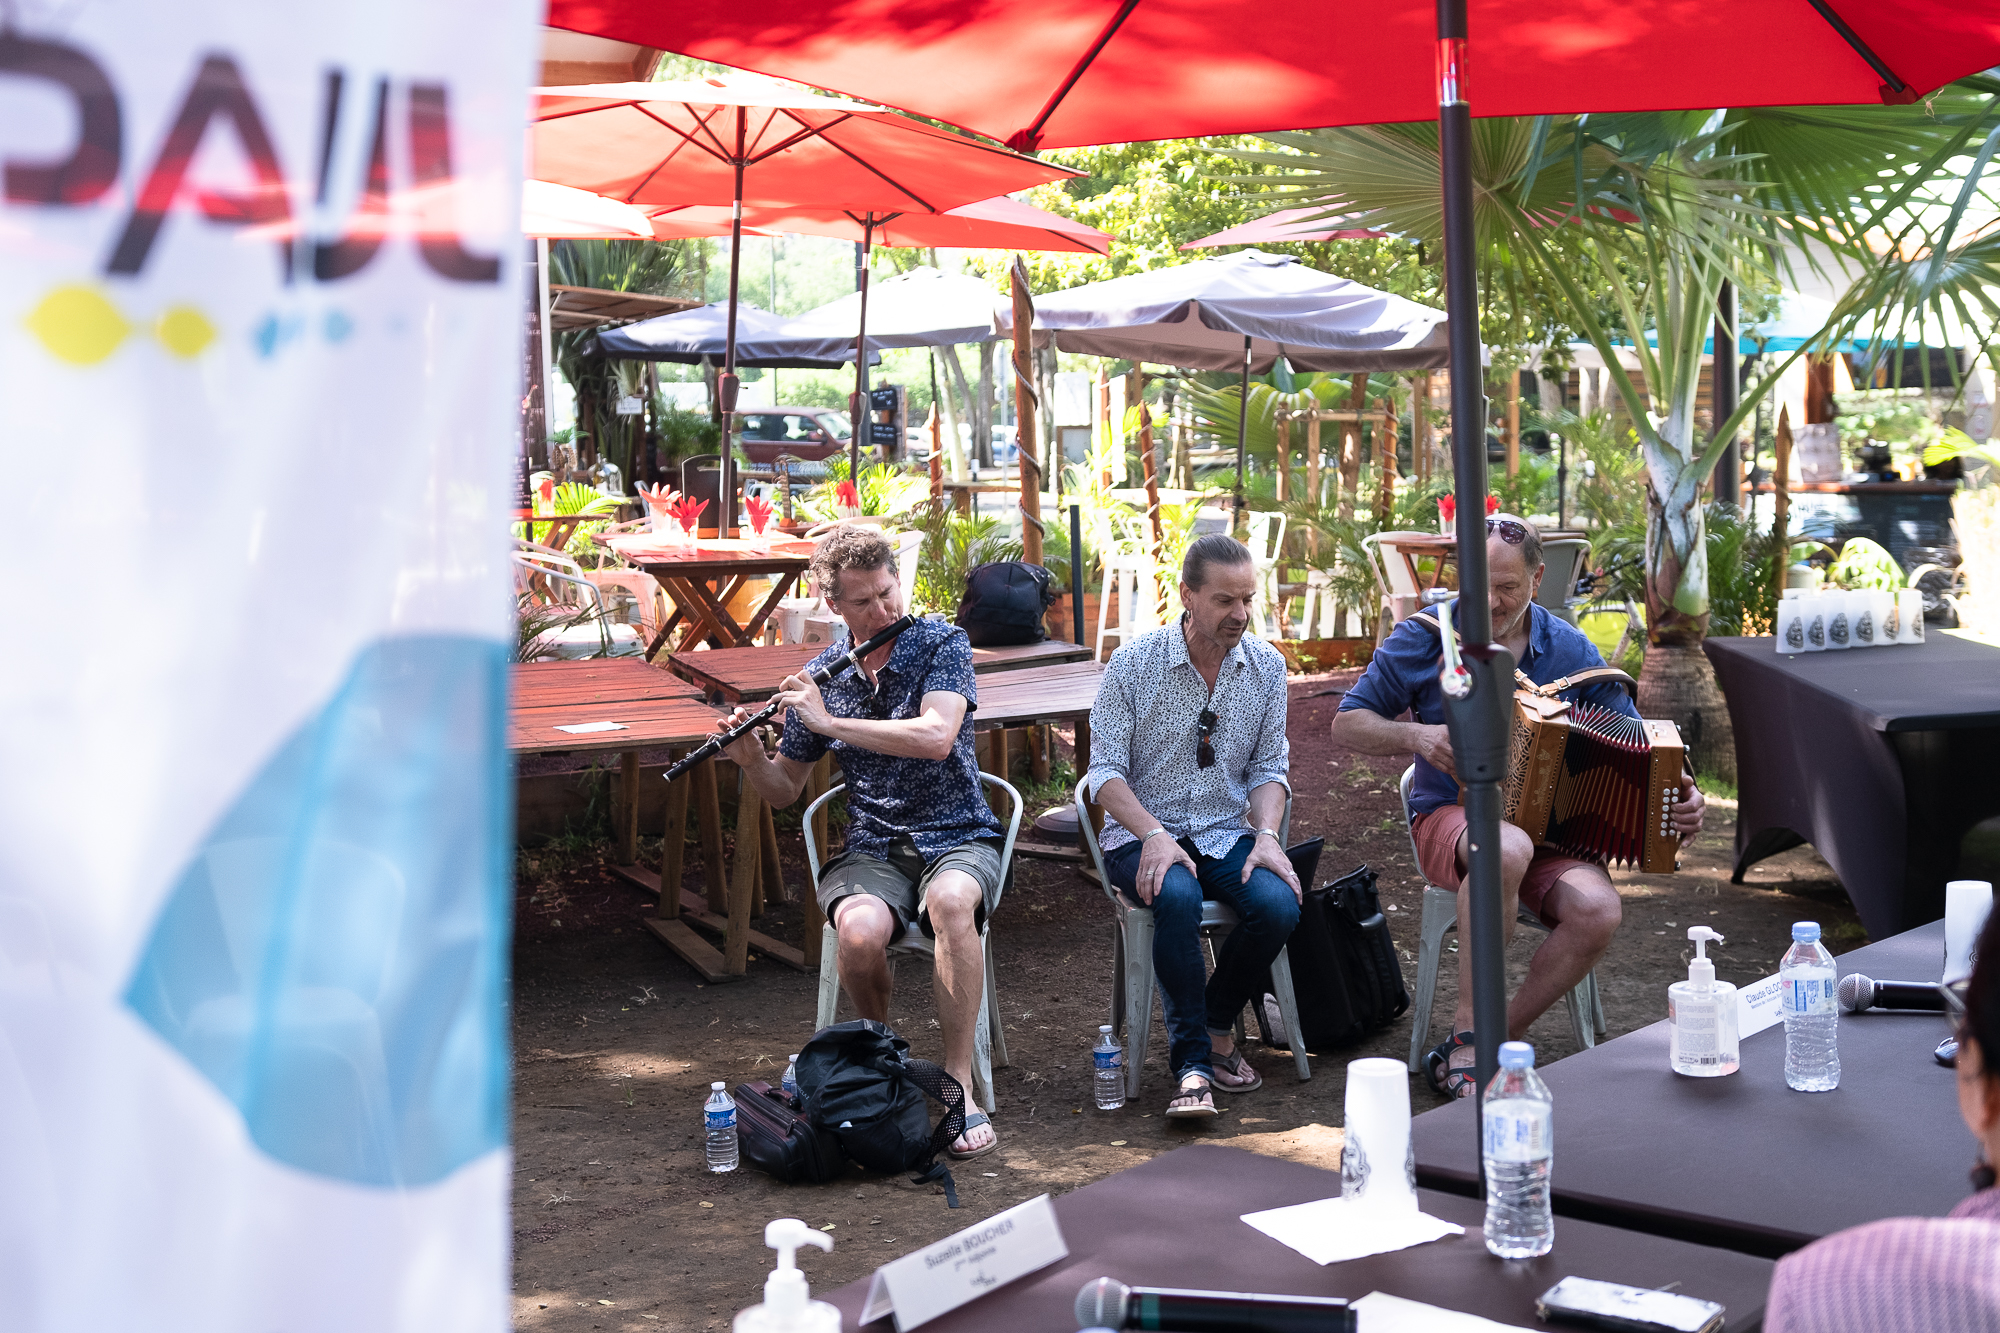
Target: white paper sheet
585, 728
1379, 1312
1329, 1231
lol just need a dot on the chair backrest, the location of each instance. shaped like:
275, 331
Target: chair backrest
909, 547
1564, 559
1006, 848
1089, 832
701, 479
1392, 572
1132, 579
534, 574
1264, 533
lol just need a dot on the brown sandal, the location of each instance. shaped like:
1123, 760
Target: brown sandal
1193, 1101
1235, 1066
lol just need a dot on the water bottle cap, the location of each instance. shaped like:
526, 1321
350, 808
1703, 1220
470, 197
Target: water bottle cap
1517, 1055
793, 1056
1104, 1028
1805, 931
715, 1087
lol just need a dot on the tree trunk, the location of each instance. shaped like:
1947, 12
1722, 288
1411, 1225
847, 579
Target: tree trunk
947, 404
1677, 683
982, 408
955, 384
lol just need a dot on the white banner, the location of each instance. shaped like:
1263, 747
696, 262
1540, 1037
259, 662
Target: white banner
259, 377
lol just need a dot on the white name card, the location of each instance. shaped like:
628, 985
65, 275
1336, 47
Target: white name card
1759, 1005
586, 728
927, 1283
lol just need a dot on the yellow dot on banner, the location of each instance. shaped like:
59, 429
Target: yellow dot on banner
184, 331
78, 325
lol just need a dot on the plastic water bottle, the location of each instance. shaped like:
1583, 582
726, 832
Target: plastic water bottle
1109, 1058
1806, 973
720, 1115
1519, 1153
790, 1086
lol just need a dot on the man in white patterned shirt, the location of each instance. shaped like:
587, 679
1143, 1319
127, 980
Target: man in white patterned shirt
1189, 760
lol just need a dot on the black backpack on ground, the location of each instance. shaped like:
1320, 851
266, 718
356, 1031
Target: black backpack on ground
1345, 971
1004, 603
861, 1086
780, 1140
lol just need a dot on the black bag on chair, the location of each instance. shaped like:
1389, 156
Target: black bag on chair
1004, 603
1345, 971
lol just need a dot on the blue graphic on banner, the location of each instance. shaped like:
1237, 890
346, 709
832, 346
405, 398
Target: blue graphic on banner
333, 958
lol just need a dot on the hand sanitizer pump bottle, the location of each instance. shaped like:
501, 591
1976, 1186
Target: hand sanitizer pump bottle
1701, 1015
788, 1305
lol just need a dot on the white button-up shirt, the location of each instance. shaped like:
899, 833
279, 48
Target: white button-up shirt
1142, 729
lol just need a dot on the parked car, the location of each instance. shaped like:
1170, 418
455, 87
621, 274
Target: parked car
810, 433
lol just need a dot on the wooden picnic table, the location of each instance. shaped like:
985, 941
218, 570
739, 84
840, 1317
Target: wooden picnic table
561, 527
686, 573
652, 708
752, 675
1037, 696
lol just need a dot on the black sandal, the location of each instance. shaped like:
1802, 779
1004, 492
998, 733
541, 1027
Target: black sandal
1444, 1080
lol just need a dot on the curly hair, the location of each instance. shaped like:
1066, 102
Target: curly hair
848, 548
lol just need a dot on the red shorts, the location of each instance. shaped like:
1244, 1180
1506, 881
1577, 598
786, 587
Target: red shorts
1436, 836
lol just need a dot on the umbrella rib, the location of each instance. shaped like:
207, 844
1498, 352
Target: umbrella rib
1861, 48
884, 176
1025, 140
806, 132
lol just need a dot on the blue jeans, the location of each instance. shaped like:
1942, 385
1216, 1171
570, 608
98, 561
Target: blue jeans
1195, 1003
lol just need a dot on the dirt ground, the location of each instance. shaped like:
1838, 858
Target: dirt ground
617, 1225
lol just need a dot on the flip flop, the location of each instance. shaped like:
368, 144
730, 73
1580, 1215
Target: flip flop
1235, 1066
973, 1120
1192, 1103
1444, 1080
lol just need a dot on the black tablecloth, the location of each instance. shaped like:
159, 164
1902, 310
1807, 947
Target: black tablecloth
1881, 758
1743, 1161
1174, 1222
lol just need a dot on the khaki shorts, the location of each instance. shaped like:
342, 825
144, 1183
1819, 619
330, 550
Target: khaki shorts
903, 881
1436, 834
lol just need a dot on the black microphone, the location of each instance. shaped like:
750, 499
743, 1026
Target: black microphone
1108, 1303
1858, 992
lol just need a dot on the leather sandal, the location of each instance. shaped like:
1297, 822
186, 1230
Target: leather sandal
1236, 1067
1445, 1080
1193, 1101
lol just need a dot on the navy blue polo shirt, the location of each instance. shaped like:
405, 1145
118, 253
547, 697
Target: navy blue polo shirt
1403, 677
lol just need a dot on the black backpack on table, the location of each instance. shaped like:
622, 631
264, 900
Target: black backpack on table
1004, 603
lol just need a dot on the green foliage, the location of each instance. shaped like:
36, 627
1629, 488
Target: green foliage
1610, 493
685, 433
1865, 564
1531, 490
1955, 443
1741, 583
1890, 416
953, 544
884, 490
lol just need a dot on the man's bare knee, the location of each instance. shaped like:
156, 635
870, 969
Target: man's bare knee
1517, 850
1590, 905
864, 925
953, 900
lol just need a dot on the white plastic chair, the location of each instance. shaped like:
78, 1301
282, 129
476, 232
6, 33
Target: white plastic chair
1586, 1006
1401, 597
989, 1040
551, 578
1129, 578
1564, 559
1132, 960
909, 546
1320, 609
1264, 533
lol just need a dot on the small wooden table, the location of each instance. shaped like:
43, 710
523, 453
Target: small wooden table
561, 526
687, 572
752, 675
654, 708
1037, 696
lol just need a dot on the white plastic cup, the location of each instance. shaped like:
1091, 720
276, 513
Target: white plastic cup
1869, 625
1839, 620
792, 613
1791, 626
1909, 616
1814, 615
1375, 1166
1967, 903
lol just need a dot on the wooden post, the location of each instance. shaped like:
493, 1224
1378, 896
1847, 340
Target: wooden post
1183, 443
1420, 427
1027, 415
743, 884
1312, 477
628, 808
1283, 421
817, 784
1513, 423
1781, 495
1040, 740
774, 873
1385, 464
937, 456
1153, 527
673, 848
709, 812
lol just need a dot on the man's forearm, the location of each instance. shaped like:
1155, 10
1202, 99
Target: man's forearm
1119, 802
779, 781
1371, 733
1267, 807
911, 738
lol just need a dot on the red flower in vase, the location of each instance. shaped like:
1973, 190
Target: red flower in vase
846, 496
1448, 506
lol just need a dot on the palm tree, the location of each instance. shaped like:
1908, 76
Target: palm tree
654, 268
1636, 221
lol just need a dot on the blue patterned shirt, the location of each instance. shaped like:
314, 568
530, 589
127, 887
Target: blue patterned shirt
939, 803
1403, 674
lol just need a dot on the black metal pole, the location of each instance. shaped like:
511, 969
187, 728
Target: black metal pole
1723, 395
863, 418
725, 385
1242, 432
1476, 708
1562, 484
1076, 569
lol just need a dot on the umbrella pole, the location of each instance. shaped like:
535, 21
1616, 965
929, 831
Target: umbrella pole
1242, 432
725, 498
863, 418
1476, 704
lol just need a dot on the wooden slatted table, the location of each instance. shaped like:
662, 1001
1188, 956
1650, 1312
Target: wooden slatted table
752, 675
655, 709
686, 573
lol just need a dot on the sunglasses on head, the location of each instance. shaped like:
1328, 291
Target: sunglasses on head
1204, 748
1508, 530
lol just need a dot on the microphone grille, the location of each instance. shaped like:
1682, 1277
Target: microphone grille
1856, 992
1100, 1303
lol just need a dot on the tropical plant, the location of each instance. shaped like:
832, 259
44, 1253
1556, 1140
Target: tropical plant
884, 490
954, 544
1955, 443
1635, 221
1607, 477
1865, 564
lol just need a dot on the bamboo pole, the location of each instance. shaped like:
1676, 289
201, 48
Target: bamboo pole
1312, 477
1027, 416
1284, 424
1420, 427
1513, 422
937, 456
1385, 464
1782, 499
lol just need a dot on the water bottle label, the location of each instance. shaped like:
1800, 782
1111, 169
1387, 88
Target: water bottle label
1110, 1059
1519, 1136
721, 1120
1810, 995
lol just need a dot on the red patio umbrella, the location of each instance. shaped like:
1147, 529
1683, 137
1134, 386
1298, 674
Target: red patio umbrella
1290, 224
1048, 73
728, 141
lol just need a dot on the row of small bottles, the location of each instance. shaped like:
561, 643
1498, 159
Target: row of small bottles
1702, 1014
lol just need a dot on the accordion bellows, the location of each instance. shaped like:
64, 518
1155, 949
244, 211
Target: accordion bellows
1595, 783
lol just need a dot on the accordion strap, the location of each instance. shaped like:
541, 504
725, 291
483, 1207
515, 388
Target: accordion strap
1575, 680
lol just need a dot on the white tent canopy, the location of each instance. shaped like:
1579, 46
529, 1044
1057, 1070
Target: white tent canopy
921, 308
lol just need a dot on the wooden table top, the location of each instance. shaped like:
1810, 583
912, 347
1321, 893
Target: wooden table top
752, 675
1058, 693
643, 722
595, 680
710, 558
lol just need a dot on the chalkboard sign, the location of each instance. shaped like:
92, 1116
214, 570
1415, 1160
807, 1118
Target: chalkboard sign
888, 415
